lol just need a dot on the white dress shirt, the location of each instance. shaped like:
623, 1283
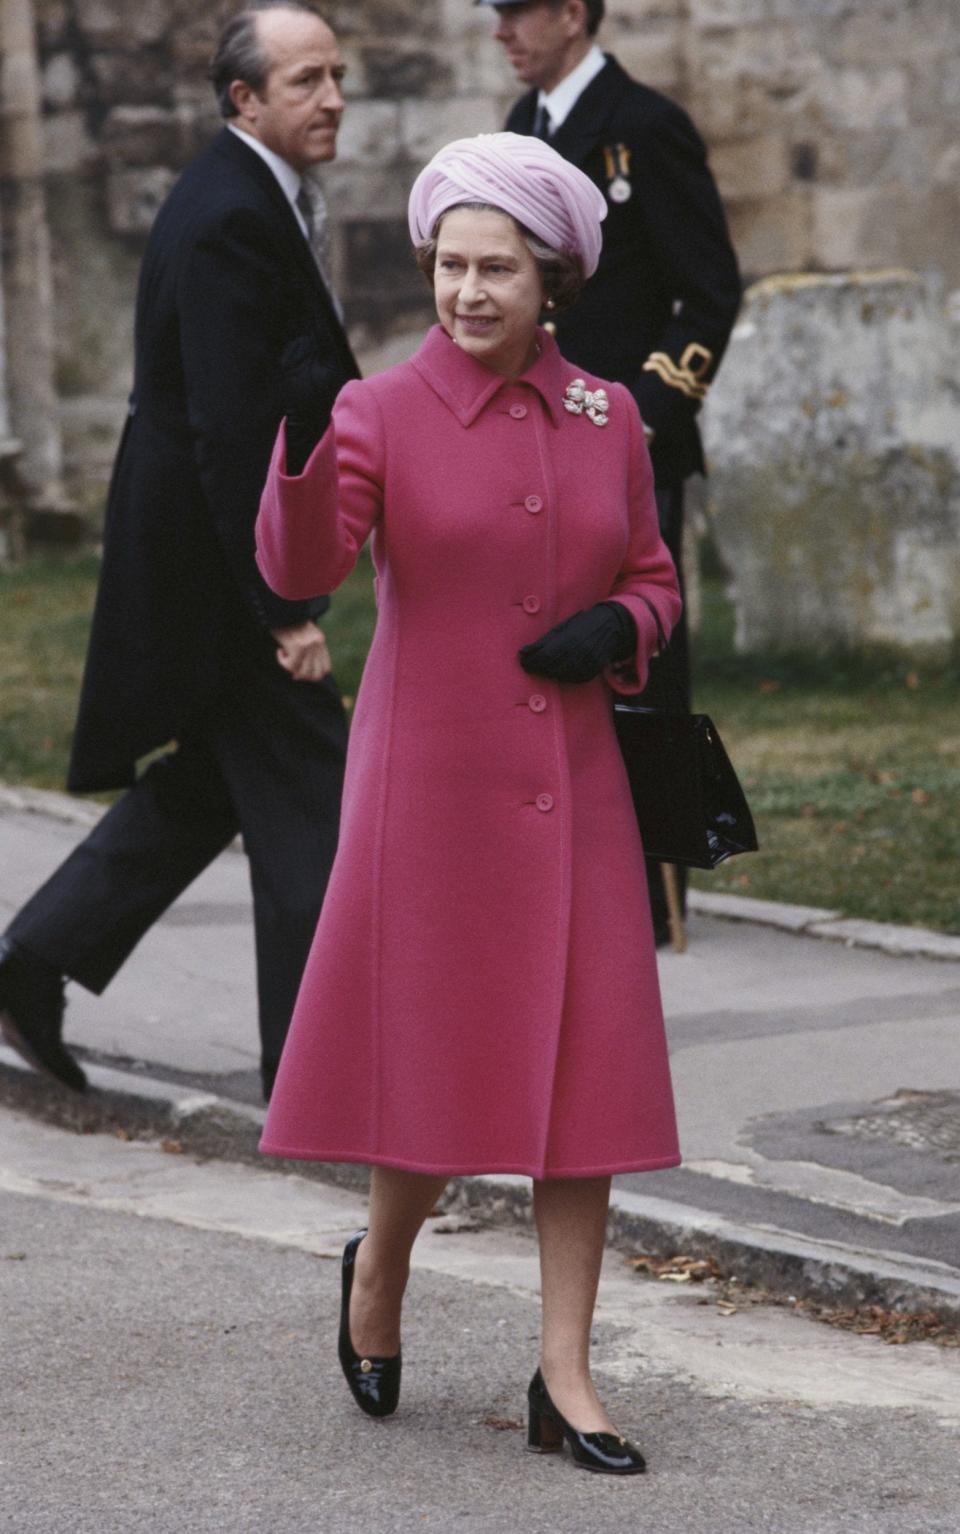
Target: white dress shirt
561, 101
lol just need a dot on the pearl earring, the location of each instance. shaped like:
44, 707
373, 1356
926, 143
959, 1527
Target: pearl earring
550, 304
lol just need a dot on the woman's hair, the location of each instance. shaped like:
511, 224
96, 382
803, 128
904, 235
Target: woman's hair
240, 54
561, 272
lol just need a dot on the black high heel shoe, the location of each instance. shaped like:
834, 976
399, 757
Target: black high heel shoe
603, 1453
374, 1382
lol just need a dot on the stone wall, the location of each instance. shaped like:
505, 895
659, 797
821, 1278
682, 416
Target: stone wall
834, 128
834, 446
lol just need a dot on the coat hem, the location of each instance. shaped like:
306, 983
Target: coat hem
464, 1169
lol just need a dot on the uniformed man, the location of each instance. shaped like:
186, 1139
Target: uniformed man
659, 311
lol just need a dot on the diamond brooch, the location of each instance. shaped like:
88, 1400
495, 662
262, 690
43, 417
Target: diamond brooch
591, 402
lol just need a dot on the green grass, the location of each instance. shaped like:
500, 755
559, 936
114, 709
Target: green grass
851, 764
46, 607
852, 768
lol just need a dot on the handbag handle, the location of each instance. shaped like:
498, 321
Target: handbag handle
667, 672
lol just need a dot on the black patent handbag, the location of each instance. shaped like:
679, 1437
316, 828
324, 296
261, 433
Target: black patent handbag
689, 804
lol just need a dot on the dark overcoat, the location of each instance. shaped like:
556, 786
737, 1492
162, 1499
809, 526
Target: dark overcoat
227, 281
657, 314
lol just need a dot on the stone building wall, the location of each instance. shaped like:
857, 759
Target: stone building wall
834, 128
834, 446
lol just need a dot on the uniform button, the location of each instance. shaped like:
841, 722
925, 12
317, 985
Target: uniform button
545, 802
518, 412
531, 604
533, 504
536, 703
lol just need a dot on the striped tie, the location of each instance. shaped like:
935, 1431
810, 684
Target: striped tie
313, 209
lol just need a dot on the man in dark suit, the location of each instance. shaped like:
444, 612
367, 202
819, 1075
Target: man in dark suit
658, 313
189, 647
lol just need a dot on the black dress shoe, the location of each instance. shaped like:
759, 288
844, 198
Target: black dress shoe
374, 1382
603, 1453
31, 1015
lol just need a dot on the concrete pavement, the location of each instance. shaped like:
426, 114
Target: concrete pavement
169, 1363
818, 1081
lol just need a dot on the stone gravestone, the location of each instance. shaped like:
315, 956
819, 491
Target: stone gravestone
833, 436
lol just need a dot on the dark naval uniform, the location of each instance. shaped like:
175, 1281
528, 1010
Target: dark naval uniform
658, 312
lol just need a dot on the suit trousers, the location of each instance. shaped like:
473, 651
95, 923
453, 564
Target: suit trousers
267, 761
670, 512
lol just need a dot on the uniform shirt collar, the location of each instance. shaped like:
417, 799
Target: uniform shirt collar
561, 101
290, 180
465, 386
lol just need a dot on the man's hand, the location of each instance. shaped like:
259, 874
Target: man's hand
303, 652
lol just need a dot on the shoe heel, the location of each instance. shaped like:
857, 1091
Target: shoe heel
544, 1436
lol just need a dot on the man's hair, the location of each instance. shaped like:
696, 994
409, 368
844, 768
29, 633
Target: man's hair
594, 10
240, 54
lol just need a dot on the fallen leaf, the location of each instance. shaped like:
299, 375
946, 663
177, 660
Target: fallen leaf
502, 1424
172, 1147
680, 1268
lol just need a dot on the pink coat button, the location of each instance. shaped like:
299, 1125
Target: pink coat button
536, 703
531, 604
533, 503
544, 802
518, 412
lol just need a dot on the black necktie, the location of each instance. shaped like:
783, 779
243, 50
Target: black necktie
541, 123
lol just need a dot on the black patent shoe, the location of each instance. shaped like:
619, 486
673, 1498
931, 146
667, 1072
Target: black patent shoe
603, 1453
374, 1382
31, 1015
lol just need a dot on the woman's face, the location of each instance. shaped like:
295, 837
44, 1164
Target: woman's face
488, 289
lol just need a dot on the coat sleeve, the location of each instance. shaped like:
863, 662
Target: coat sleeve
647, 574
232, 333
313, 525
684, 222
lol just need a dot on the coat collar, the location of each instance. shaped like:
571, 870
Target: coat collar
256, 169
253, 166
587, 119
465, 386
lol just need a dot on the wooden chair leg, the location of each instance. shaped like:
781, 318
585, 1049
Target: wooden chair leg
678, 929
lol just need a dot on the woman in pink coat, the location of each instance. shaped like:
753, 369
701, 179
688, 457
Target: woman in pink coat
482, 993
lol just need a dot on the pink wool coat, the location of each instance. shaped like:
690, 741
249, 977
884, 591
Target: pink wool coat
482, 991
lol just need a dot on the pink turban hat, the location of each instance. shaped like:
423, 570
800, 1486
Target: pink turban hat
522, 176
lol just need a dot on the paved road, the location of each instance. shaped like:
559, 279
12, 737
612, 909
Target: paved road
168, 1364
818, 1085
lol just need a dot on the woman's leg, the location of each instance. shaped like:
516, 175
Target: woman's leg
399, 1204
571, 1215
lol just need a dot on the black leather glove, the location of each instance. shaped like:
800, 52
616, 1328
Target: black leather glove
579, 648
308, 388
